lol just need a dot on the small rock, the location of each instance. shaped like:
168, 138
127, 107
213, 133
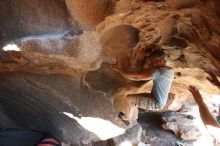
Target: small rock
132, 135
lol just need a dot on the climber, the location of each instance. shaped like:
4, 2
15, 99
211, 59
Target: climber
209, 121
162, 76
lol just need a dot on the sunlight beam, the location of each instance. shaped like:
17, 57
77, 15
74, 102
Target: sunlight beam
11, 47
102, 128
125, 143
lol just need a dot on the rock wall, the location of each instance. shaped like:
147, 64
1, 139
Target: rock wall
68, 49
24, 18
169, 23
37, 95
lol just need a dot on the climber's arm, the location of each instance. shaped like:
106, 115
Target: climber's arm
205, 114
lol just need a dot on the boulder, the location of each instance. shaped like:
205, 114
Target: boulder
132, 136
182, 125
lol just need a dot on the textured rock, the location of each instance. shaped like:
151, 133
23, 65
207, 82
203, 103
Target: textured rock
67, 74
182, 4
117, 42
164, 23
39, 84
131, 136
182, 125
187, 32
114, 83
21, 18
109, 142
29, 98
120, 37
153, 134
168, 29
89, 13
31, 94
188, 38
56, 44
77, 46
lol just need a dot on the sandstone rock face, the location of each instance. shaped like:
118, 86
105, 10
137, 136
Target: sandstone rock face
182, 4
180, 23
120, 37
58, 80
21, 18
118, 41
47, 100
89, 13
84, 48
56, 44
186, 30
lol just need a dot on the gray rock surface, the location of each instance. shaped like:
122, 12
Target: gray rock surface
131, 136
38, 100
21, 18
182, 125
